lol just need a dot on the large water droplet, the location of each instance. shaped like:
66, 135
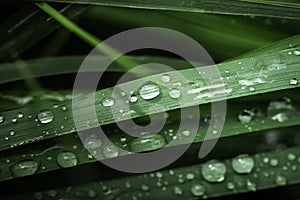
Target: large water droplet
214, 171
198, 190
67, 159
149, 91
281, 110
108, 102
147, 144
45, 116
242, 164
25, 168
110, 151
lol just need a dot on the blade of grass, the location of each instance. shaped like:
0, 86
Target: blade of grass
282, 9
18, 35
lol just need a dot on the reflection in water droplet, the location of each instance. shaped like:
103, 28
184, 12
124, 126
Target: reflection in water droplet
213, 171
175, 93
110, 151
242, 164
198, 190
25, 168
149, 91
108, 102
45, 116
67, 159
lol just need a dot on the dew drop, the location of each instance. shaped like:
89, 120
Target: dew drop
251, 186
252, 89
177, 190
291, 156
145, 188
147, 143
45, 116
213, 171
165, 78
92, 142
293, 81
296, 53
280, 110
242, 164
246, 116
133, 98
110, 151
175, 93
230, 186
189, 176
20, 115
25, 168
108, 102
280, 180
2, 118
198, 190
273, 162
64, 108
67, 159
149, 91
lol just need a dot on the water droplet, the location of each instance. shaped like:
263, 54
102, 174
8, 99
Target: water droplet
186, 133
293, 81
145, 188
251, 186
14, 120
110, 151
64, 108
273, 162
67, 159
246, 116
38, 195
175, 93
12, 133
291, 156
108, 102
20, 115
189, 176
230, 186
92, 142
296, 53
165, 78
92, 194
159, 175
149, 91
198, 190
213, 171
2, 118
45, 116
280, 180
52, 193
147, 143
133, 98
281, 110
177, 190
242, 164
252, 89
25, 168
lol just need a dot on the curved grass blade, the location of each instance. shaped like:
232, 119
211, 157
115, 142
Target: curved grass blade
17, 34
264, 170
282, 9
46, 152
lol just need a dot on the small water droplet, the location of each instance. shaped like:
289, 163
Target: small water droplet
281, 110
293, 81
64, 108
246, 116
291, 156
177, 190
251, 186
190, 176
12, 133
296, 53
110, 151
280, 180
20, 115
145, 188
25, 168
230, 186
2, 118
149, 91
92, 142
38, 195
108, 102
175, 93
273, 162
92, 194
242, 164
147, 143
165, 78
67, 159
14, 120
252, 89
45, 116
198, 190
214, 171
